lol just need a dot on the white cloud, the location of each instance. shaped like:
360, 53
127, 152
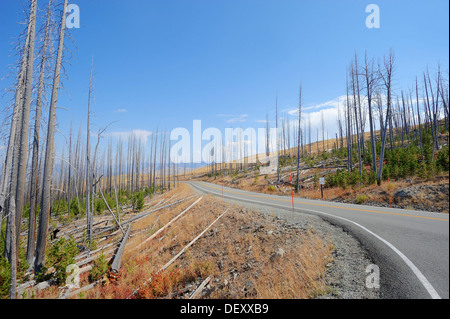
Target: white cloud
121, 111
339, 101
329, 109
139, 134
234, 118
240, 119
330, 116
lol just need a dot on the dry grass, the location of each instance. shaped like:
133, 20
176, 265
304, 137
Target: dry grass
239, 252
247, 255
299, 274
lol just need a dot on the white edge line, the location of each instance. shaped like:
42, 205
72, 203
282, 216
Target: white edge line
433, 293
427, 285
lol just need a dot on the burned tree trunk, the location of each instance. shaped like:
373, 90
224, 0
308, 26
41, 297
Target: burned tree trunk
387, 78
298, 141
89, 211
48, 166
36, 136
23, 147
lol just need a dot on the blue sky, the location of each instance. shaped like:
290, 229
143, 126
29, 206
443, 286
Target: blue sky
165, 63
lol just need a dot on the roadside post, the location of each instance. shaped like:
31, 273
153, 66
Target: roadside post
322, 182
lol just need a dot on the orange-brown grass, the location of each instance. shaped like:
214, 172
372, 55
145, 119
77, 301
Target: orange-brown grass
250, 266
182, 191
300, 274
238, 248
147, 261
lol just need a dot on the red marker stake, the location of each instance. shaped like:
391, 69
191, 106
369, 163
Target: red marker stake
292, 193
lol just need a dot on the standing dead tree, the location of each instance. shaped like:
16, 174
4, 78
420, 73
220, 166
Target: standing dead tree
12, 186
354, 76
277, 139
299, 137
371, 79
48, 165
349, 129
89, 211
24, 127
31, 245
419, 119
8, 186
387, 80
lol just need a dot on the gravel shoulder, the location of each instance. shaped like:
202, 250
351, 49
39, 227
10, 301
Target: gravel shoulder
346, 274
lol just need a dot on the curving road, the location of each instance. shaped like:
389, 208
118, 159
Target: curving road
411, 248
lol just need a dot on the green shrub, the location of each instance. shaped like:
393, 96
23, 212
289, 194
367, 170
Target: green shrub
354, 177
75, 209
59, 207
316, 180
42, 275
431, 170
99, 205
138, 200
5, 268
442, 160
5, 278
99, 268
361, 199
61, 255
372, 178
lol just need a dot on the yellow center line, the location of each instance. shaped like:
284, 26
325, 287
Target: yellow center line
323, 205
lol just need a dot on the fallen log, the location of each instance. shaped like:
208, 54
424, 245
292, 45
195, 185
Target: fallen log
115, 266
182, 251
168, 224
73, 293
200, 288
86, 254
140, 216
192, 242
114, 216
89, 259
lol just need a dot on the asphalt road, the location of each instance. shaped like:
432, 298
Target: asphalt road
411, 248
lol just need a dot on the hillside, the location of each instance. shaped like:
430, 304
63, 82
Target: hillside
421, 189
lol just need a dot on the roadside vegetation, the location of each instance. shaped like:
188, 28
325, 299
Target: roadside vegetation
246, 254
